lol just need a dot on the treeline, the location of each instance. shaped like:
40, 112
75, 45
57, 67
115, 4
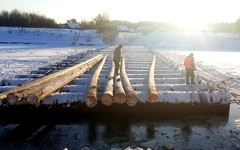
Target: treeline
101, 22
16, 18
227, 27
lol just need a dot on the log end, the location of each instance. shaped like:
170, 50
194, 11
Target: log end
32, 99
132, 99
119, 98
91, 101
153, 98
12, 99
107, 99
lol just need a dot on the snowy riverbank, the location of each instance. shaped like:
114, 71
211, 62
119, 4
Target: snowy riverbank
25, 49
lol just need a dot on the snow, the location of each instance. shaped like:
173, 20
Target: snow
216, 54
73, 25
192, 41
49, 36
44, 47
124, 28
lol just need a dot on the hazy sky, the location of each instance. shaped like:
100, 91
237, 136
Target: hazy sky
180, 11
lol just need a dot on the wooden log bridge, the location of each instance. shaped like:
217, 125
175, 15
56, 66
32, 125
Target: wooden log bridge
146, 83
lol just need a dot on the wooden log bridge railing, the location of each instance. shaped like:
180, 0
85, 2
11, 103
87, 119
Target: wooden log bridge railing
152, 92
92, 93
39, 89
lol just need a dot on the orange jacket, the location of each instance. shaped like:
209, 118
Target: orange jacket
188, 62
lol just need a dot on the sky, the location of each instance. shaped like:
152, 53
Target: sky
185, 12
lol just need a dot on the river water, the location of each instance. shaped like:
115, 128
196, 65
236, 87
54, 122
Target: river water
109, 132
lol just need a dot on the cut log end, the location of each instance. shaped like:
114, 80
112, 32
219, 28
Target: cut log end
132, 99
153, 98
32, 99
107, 99
91, 101
120, 98
3, 97
12, 99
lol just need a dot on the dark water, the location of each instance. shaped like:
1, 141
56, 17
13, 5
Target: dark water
106, 132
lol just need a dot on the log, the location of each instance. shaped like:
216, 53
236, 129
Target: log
130, 93
91, 99
152, 92
22, 88
107, 97
44, 90
38, 89
119, 93
44, 79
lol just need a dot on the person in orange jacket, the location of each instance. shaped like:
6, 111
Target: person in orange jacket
189, 68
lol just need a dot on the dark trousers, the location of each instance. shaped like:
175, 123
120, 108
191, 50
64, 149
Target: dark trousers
116, 67
189, 73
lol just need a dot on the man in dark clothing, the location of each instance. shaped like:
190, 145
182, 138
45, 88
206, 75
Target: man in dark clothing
190, 68
117, 58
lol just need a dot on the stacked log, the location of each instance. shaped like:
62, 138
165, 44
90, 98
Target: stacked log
91, 100
39, 89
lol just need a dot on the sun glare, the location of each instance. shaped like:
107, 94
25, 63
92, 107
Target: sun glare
190, 14
192, 25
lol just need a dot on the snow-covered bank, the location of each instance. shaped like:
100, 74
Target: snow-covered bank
26, 49
21, 61
47, 36
191, 41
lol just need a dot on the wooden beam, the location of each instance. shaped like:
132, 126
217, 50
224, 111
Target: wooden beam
91, 100
152, 92
130, 93
107, 97
39, 89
